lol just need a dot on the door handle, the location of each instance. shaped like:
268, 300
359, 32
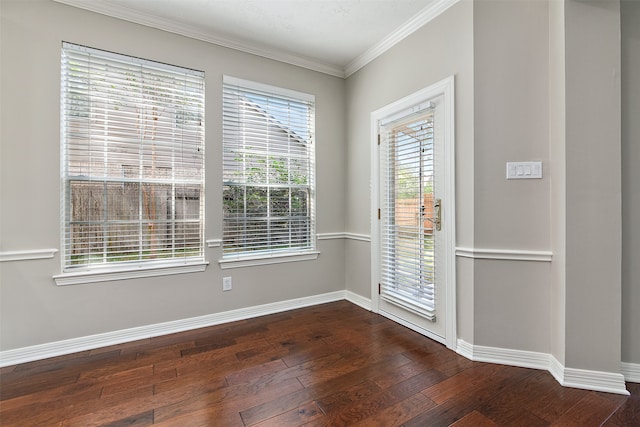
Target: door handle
437, 220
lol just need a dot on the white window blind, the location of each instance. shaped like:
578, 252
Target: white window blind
132, 160
407, 232
268, 162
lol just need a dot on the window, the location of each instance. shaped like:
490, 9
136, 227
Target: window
132, 162
268, 149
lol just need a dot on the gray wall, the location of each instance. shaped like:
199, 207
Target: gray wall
33, 310
557, 190
511, 124
630, 17
593, 191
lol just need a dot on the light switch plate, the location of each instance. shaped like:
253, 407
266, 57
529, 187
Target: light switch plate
524, 170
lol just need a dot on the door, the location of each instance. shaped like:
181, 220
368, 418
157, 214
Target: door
413, 248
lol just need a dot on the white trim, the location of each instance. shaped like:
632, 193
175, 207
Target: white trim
330, 236
504, 356
27, 255
360, 237
94, 276
413, 327
446, 88
213, 243
465, 349
556, 369
267, 259
433, 10
427, 14
59, 348
504, 254
358, 300
631, 372
346, 235
609, 382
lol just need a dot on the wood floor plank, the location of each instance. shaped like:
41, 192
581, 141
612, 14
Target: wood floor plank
397, 414
510, 406
137, 420
546, 400
295, 417
629, 412
465, 401
327, 365
346, 396
207, 417
113, 409
251, 373
238, 397
474, 419
371, 406
68, 391
591, 410
36, 383
389, 378
467, 381
138, 382
46, 407
319, 390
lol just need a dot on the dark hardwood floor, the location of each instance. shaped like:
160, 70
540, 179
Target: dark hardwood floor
328, 365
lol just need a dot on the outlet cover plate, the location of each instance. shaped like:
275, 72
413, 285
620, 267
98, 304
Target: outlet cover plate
524, 170
227, 284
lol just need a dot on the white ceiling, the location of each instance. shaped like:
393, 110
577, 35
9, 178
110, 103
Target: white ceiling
332, 36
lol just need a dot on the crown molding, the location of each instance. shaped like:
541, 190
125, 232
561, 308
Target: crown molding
427, 14
117, 11
127, 14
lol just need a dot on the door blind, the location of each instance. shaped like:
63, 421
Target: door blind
132, 160
407, 244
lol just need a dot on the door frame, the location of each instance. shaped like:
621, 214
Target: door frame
445, 88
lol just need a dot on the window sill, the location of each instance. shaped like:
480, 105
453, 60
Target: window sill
250, 261
130, 272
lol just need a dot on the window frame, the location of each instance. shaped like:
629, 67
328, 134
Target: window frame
244, 258
113, 267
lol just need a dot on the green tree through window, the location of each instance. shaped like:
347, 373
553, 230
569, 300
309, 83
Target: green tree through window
268, 170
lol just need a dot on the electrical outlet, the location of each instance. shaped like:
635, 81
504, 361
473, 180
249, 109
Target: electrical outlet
226, 284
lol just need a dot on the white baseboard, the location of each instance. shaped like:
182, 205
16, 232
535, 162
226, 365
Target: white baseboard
577, 378
74, 345
358, 300
609, 382
631, 372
